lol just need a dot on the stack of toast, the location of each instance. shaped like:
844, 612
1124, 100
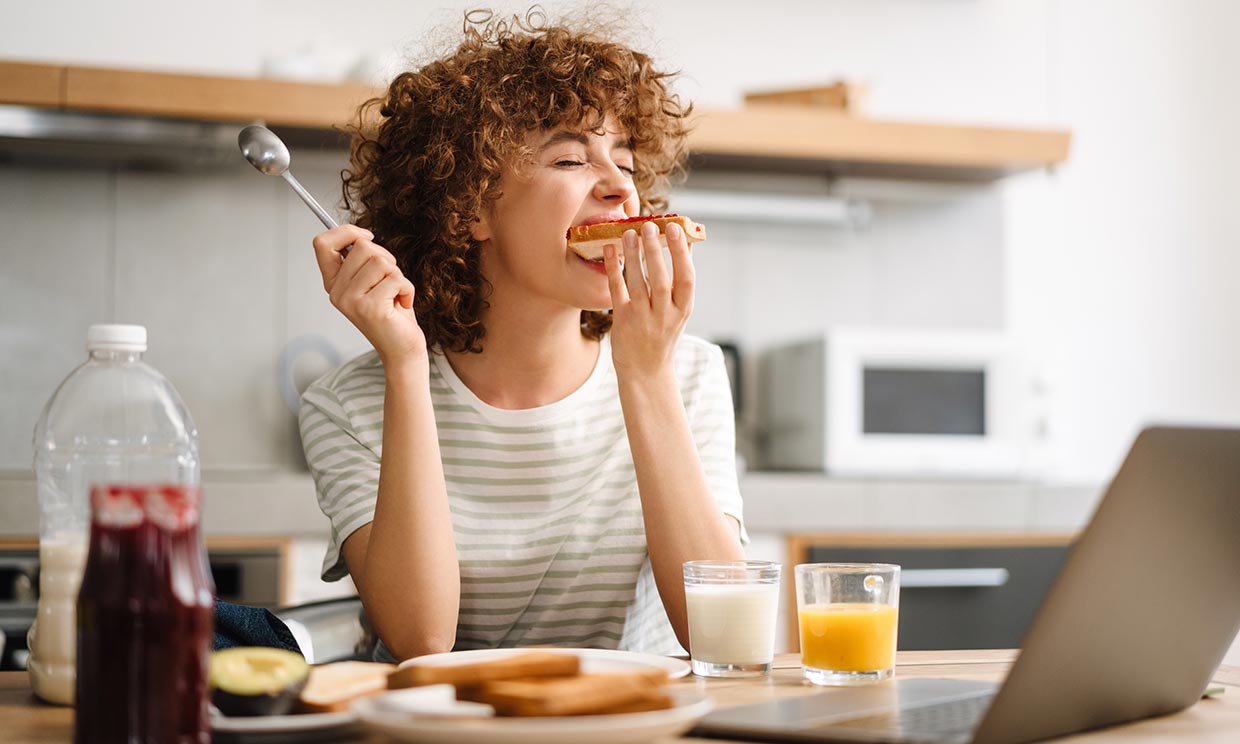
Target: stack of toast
543, 683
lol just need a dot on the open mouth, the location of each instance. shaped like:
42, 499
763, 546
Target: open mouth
595, 265
599, 262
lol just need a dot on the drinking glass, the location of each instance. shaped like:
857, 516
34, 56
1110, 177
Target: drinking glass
732, 607
848, 615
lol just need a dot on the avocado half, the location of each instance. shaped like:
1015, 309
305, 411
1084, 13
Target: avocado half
256, 681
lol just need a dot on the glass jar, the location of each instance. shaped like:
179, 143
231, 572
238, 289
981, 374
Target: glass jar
144, 619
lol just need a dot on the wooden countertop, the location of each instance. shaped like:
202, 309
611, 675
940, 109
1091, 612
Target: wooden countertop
1216, 720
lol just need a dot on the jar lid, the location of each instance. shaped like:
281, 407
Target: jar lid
116, 338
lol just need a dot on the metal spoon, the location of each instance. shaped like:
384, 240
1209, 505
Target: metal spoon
268, 154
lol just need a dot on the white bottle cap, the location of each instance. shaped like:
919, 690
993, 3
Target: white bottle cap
116, 338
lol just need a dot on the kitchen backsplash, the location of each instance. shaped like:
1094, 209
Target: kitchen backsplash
218, 266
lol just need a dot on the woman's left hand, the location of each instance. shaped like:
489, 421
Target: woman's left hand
648, 312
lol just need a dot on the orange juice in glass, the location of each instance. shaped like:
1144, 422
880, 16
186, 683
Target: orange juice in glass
848, 615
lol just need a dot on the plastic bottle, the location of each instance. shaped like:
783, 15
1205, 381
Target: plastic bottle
115, 419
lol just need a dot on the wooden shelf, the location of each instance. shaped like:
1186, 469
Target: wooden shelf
789, 138
276, 102
181, 96
759, 137
31, 85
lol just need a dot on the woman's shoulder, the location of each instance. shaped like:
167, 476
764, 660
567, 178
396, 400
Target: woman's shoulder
694, 354
361, 375
696, 345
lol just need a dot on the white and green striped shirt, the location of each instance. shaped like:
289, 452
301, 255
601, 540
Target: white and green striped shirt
545, 508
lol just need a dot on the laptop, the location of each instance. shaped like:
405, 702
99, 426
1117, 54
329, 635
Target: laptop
1138, 620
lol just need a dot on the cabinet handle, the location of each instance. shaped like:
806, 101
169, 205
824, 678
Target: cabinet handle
952, 578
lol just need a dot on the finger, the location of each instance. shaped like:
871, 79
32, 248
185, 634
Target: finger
682, 267
615, 277
378, 303
657, 275
353, 263
375, 270
388, 290
634, 277
363, 268
405, 296
329, 246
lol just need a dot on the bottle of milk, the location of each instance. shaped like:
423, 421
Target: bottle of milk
115, 419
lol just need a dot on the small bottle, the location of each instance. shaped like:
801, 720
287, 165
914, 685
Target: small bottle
144, 617
115, 419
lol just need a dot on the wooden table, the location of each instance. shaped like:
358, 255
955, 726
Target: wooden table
24, 719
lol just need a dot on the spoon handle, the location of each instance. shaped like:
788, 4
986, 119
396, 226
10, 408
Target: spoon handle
310, 201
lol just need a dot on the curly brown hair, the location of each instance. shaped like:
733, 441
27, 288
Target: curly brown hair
430, 163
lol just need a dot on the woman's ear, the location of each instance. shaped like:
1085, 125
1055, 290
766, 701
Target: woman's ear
480, 230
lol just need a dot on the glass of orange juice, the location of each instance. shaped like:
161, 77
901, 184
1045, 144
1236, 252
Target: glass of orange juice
848, 614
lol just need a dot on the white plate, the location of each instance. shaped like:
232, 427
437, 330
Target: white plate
622, 728
592, 659
222, 724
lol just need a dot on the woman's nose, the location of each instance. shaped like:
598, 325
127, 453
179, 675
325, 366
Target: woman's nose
613, 184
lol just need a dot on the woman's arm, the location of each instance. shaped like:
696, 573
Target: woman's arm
682, 520
404, 562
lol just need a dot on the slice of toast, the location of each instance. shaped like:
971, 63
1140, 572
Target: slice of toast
652, 701
333, 687
587, 241
527, 665
586, 694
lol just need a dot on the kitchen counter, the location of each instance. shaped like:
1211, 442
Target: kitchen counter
233, 505
784, 502
280, 508
284, 503
1215, 720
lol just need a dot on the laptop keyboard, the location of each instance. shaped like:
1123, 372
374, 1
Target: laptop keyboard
949, 721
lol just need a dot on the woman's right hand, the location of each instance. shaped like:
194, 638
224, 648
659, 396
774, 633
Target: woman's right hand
368, 288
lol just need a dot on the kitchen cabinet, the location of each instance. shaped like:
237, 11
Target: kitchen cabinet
758, 137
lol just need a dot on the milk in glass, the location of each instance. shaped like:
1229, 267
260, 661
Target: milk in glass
732, 608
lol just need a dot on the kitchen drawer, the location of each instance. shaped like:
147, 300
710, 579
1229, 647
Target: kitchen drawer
963, 592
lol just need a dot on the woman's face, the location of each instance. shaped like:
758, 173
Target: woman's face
576, 177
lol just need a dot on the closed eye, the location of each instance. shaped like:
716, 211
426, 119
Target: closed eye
568, 163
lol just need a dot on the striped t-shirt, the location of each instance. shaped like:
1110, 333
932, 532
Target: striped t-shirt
545, 509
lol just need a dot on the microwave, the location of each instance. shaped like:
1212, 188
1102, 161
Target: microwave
894, 402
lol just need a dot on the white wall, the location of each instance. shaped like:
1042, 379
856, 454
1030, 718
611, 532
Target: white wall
1132, 297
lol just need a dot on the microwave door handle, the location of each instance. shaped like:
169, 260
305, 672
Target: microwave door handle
952, 578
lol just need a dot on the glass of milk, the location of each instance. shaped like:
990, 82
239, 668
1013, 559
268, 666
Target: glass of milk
732, 607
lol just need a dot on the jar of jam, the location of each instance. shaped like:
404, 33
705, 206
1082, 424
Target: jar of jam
144, 618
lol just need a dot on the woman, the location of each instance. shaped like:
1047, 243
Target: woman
513, 464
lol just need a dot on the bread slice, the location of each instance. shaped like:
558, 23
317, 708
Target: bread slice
653, 700
586, 694
332, 687
531, 664
587, 241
